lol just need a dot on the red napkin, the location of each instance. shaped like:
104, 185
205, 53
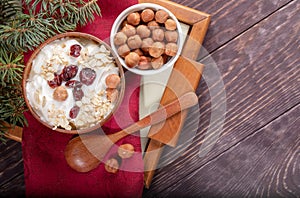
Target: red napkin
46, 171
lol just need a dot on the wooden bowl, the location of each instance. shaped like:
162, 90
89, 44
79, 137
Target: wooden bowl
75, 35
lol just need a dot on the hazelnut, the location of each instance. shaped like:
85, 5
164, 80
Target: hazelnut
171, 36
157, 62
120, 38
170, 24
146, 44
157, 49
134, 18
158, 35
143, 31
60, 94
112, 81
129, 30
147, 15
145, 63
112, 165
123, 50
171, 49
132, 59
139, 52
112, 94
152, 25
161, 16
134, 42
125, 151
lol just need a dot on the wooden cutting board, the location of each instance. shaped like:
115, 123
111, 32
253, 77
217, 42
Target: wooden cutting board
184, 77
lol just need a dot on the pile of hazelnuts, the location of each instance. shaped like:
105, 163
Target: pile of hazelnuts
147, 39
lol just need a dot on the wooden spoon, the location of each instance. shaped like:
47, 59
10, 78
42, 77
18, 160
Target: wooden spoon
85, 152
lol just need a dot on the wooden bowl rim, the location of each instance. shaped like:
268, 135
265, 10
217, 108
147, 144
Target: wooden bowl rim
27, 70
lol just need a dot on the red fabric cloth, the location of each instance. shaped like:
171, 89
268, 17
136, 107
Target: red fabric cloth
46, 171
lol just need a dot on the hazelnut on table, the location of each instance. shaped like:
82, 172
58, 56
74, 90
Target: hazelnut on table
125, 151
112, 165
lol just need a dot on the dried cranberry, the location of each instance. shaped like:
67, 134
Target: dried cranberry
78, 94
74, 112
69, 72
56, 82
75, 50
73, 84
87, 76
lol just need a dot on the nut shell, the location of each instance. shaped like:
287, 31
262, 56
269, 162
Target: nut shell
171, 36
123, 50
112, 94
120, 38
143, 31
129, 30
157, 62
171, 49
158, 34
170, 24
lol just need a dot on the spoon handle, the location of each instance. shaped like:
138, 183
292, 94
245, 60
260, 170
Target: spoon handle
183, 102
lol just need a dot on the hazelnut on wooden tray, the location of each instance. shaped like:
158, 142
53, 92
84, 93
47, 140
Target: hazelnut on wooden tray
60, 94
126, 151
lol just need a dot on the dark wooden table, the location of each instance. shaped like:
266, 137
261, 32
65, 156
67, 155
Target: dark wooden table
256, 48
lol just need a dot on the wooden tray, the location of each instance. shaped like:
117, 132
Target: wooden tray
185, 77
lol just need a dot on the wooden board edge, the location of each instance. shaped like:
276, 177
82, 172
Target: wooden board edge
14, 132
180, 11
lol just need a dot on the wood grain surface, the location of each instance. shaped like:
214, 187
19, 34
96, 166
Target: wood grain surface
255, 46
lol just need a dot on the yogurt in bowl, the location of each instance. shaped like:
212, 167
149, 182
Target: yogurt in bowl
73, 83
